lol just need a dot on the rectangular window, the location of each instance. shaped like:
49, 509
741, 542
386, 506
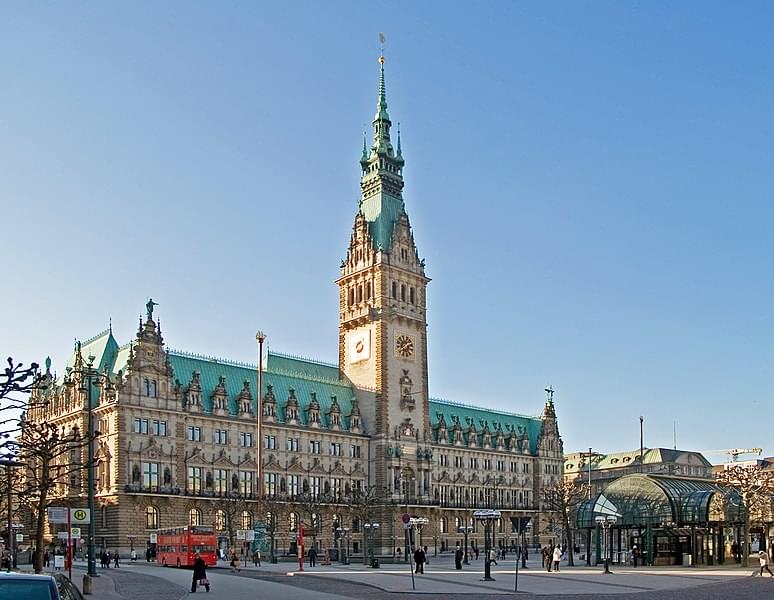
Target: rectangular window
292, 444
140, 425
270, 484
335, 449
150, 474
194, 479
245, 439
336, 487
525, 468
354, 451
221, 481
220, 436
315, 486
294, 482
270, 442
315, 447
194, 434
246, 483
159, 427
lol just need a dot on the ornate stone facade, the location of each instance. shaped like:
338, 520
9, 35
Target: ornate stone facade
179, 436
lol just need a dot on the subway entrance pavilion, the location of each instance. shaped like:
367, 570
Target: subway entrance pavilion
185, 438
671, 520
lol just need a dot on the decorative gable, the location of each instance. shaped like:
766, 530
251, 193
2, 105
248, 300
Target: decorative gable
354, 417
220, 397
193, 393
334, 415
269, 405
313, 410
291, 408
245, 400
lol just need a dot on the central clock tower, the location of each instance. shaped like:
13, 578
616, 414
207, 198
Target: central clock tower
382, 298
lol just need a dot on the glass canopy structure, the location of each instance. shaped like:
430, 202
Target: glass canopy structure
671, 519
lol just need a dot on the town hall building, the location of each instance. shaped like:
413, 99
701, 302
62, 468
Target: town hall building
344, 450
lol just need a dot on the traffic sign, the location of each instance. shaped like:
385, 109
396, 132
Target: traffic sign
62, 535
249, 535
153, 538
75, 533
57, 514
80, 516
240, 534
406, 518
19, 537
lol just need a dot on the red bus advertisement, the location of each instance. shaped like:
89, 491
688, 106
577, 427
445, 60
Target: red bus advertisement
176, 546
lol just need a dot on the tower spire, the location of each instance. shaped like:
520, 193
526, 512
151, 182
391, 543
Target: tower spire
382, 123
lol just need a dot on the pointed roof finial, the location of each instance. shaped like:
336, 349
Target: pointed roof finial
549, 394
365, 148
110, 325
399, 150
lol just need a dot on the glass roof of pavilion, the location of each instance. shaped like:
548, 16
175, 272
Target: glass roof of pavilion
658, 500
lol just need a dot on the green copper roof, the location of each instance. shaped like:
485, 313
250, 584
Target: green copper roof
381, 211
481, 417
304, 376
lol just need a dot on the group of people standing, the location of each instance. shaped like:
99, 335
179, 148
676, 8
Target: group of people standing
552, 556
105, 558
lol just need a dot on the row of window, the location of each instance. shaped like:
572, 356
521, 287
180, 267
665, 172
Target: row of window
219, 481
292, 485
403, 292
148, 426
473, 463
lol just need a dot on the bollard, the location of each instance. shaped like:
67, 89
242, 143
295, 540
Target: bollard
86, 585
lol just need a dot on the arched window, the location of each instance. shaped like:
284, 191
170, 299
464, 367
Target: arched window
247, 519
154, 389
151, 517
146, 387
457, 524
394, 290
220, 520
442, 525
293, 521
315, 521
194, 517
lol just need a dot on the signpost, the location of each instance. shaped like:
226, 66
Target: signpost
57, 514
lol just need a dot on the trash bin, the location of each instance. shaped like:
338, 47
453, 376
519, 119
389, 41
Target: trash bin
374, 563
687, 562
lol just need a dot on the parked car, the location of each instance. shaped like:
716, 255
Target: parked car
28, 587
67, 589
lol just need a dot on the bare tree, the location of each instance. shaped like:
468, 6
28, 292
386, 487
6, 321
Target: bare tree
273, 511
53, 464
364, 504
233, 504
563, 498
16, 383
755, 486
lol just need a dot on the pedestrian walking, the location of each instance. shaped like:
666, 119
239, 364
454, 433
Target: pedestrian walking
47, 559
547, 555
635, 555
458, 558
763, 557
475, 551
115, 559
234, 561
312, 557
557, 558
419, 561
492, 556
199, 574
257, 558
133, 555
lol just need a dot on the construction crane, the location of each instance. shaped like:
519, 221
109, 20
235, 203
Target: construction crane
735, 453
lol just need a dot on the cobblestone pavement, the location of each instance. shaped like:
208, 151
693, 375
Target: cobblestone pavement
747, 588
135, 586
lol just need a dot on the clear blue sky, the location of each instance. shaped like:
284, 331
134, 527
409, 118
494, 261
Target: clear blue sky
589, 182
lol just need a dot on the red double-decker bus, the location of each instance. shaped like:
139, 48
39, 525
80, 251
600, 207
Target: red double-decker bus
176, 546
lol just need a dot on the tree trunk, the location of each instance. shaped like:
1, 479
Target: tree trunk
39, 532
746, 538
570, 540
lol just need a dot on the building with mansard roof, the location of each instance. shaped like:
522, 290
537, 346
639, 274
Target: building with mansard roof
336, 444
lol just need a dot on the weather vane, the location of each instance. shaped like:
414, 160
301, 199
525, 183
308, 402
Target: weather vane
381, 48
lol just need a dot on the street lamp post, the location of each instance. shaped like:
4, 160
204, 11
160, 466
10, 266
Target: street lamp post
368, 550
466, 529
10, 464
606, 522
260, 337
487, 517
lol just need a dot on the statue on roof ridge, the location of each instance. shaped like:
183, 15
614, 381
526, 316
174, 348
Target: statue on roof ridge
149, 308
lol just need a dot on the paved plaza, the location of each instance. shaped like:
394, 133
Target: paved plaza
440, 580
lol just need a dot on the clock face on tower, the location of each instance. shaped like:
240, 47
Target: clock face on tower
404, 345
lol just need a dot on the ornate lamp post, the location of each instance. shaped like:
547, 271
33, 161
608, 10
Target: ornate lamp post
606, 522
466, 529
368, 551
487, 517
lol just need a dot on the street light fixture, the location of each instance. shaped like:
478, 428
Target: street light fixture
370, 528
10, 464
466, 529
488, 517
606, 522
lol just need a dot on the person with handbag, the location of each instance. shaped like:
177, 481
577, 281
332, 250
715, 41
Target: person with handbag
199, 574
